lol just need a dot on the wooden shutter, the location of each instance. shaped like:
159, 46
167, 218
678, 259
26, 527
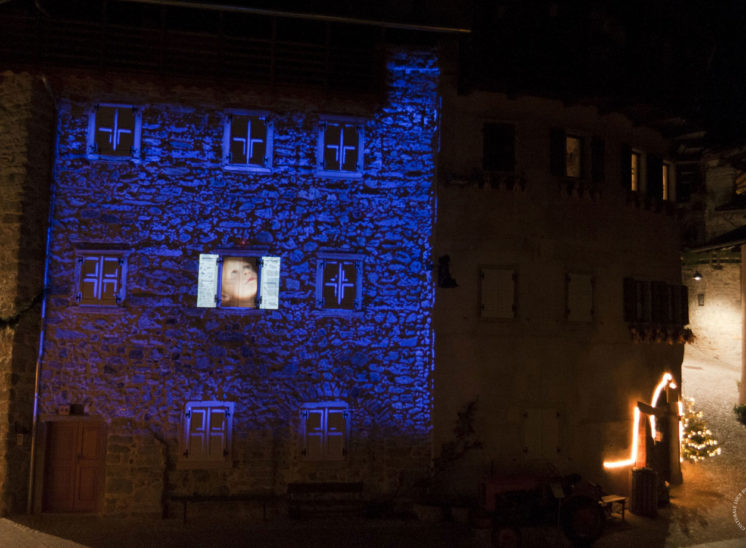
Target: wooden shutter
655, 177
557, 152
626, 171
643, 311
574, 160
684, 300
598, 160
630, 300
659, 294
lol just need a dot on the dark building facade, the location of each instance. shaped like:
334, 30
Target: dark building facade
247, 231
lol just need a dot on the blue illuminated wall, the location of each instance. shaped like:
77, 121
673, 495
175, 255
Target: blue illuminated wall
137, 365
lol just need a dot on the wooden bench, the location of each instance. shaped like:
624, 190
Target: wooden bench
323, 497
610, 503
263, 498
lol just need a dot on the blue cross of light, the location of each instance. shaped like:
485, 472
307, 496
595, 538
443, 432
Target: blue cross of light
339, 283
340, 150
115, 132
247, 143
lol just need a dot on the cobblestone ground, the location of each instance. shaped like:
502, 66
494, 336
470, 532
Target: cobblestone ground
701, 512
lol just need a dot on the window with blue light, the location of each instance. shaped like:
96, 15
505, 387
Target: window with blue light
339, 282
325, 429
340, 147
247, 140
239, 280
206, 433
100, 277
114, 132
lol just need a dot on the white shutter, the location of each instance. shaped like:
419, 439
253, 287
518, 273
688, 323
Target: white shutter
110, 275
335, 433
270, 283
217, 433
207, 281
314, 433
90, 279
197, 418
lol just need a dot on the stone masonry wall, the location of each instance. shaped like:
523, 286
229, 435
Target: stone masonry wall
715, 307
26, 145
138, 365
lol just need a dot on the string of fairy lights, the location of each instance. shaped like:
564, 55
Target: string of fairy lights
697, 441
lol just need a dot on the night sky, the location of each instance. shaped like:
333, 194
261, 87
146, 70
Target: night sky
685, 58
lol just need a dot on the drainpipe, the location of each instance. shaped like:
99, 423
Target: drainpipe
52, 188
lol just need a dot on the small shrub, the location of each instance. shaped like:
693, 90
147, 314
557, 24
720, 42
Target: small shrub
740, 411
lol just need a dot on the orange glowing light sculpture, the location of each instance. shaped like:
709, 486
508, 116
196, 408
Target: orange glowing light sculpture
666, 380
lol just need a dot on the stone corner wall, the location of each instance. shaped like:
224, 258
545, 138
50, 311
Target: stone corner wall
26, 146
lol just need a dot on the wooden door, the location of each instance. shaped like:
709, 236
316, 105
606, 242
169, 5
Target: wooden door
73, 473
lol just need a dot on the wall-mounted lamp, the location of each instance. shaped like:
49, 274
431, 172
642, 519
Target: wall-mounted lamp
444, 273
697, 276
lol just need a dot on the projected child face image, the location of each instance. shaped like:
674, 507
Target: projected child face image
239, 282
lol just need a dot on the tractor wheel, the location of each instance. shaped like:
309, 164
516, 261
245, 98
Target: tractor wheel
582, 520
505, 536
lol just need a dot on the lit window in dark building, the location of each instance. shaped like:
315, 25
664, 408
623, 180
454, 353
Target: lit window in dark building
247, 141
325, 430
340, 148
634, 171
114, 131
339, 283
567, 154
498, 147
101, 278
666, 181
573, 156
238, 279
206, 434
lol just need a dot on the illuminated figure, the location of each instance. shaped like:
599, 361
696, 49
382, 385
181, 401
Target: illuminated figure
239, 282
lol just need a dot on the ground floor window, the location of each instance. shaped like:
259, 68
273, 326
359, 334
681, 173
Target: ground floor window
206, 434
325, 430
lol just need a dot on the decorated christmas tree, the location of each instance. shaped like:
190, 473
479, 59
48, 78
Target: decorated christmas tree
697, 441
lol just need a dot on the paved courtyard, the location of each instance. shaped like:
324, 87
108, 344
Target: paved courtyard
701, 512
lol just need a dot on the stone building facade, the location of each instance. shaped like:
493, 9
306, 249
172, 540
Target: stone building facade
711, 263
559, 223
26, 120
165, 387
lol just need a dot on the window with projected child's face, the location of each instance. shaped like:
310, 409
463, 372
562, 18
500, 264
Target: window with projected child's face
239, 282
